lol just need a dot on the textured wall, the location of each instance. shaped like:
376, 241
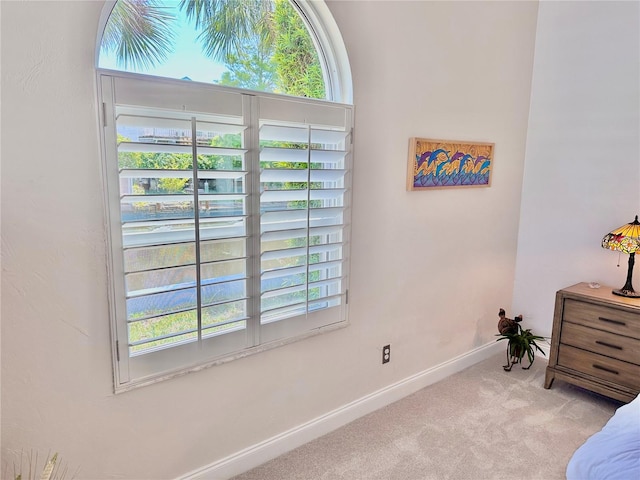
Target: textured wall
429, 269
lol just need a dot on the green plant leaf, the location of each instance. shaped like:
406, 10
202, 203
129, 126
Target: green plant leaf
139, 32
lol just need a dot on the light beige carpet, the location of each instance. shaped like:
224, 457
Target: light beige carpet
481, 423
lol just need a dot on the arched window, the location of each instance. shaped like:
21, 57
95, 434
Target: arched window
278, 46
228, 211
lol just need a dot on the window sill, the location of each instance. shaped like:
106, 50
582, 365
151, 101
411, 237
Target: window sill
134, 385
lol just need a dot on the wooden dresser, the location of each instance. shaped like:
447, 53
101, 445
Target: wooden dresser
595, 342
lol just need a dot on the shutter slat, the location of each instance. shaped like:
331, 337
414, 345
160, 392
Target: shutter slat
298, 195
314, 215
301, 155
285, 175
285, 133
176, 197
283, 272
144, 147
296, 233
135, 117
150, 173
284, 234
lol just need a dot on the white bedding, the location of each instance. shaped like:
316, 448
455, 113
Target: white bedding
614, 452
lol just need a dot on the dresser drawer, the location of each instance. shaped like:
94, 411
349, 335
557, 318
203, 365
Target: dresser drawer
599, 366
610, 319
604, 343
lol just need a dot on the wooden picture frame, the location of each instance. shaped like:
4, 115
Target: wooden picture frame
435, 164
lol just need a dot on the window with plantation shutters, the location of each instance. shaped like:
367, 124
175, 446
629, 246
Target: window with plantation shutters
228, 217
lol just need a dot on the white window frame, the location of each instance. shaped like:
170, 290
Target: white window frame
330, 47
259, 111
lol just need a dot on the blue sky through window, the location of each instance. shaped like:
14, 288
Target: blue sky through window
186, 60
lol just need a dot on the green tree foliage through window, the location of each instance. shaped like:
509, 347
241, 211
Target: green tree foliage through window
139, 32
298, 67
251, 68
264, 44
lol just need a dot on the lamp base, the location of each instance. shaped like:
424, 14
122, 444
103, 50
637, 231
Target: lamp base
626, 293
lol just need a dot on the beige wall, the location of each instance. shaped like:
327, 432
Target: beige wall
582, 175
429, 269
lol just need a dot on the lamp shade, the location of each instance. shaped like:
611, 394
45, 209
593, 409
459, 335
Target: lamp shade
625, 239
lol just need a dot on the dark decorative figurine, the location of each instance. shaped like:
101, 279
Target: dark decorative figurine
508, 325
521, 341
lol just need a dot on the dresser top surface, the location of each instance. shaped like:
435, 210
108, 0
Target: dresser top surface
603, 294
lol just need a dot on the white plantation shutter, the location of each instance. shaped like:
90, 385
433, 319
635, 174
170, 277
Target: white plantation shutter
304, 157
228, 215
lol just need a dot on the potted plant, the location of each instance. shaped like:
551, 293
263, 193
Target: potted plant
521, 342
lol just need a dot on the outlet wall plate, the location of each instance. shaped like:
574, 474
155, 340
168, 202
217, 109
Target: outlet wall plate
386, 354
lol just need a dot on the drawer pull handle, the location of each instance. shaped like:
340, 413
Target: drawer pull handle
605, 369
617, 322
605, 344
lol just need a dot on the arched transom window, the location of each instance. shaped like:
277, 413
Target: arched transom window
264, 45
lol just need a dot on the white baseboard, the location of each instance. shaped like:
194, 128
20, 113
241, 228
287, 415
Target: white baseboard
273, 447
